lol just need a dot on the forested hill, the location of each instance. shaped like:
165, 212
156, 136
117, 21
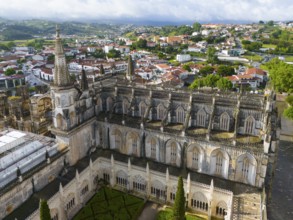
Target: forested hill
27, 29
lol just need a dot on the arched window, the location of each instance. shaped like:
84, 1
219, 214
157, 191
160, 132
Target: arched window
139, 183
125, 106
72, 119
59, 121
160, 112
158, 190
121, 179
180, 115
106, 177
195, 159
109, 104
173, 152
221, 209
134, 145
249, 125
245, 168
64, 101
173, 193
142, 109
70, 202
153, 148
224, 121
201, 118
219, 163
84, 190
116, 139
199, 202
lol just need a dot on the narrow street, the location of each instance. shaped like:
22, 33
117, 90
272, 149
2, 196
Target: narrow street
281, 205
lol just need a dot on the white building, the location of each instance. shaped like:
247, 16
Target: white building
183, 57
107, 48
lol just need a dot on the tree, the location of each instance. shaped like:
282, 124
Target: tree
44, 210
196, 38
141, 43
289, 100
270, 23
206, 70
288, 112
51, 58
281, 75
9, 72
211, 80
261, 22
196, 26
224, 70
212, 57
224, 84
10, 44
197, 83
179, 205
186, 67
114, 53
99, 54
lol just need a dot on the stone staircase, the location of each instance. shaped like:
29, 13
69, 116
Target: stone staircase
247, 207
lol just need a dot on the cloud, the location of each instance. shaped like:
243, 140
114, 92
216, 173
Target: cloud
166, 10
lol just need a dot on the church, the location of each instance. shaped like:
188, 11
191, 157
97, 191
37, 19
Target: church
139, 139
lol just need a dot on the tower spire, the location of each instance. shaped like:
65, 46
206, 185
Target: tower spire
61, 74
83, 82
130, 69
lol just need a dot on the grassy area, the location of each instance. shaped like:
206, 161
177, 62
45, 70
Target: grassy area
110, 204
166, 214
254, 57
289, 59
269, 46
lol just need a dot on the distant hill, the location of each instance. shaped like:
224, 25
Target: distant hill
28, 29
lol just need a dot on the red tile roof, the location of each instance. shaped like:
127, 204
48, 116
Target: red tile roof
255, 71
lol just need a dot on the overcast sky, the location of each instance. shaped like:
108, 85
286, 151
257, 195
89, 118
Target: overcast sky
161, 10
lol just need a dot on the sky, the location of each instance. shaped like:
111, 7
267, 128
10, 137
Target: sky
153, 10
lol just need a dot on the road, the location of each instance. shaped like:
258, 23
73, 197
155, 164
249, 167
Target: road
281, 205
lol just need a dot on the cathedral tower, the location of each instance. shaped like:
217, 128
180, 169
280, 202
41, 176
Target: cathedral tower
73, 112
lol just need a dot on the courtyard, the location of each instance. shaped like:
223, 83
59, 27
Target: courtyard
110, 204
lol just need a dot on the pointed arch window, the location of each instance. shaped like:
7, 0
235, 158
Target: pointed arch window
109, 104
59, 121
118, 141
180, 115
173, 152
249, 125
219, 163
153, 148
245, 168
195, 158
201, 118
134, 145
160, 112
142, 109
224, 121
125, 106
